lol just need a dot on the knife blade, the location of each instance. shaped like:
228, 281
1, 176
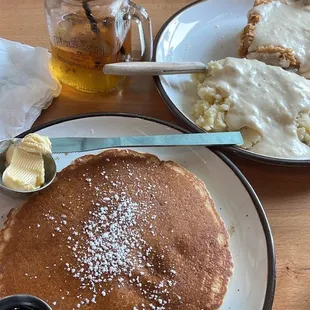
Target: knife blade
84, 144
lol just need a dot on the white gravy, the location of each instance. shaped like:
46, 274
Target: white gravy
285, 23
267, 99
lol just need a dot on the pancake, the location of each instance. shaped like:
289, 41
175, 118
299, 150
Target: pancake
119, 230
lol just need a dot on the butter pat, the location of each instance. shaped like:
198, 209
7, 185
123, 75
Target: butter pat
25, 172
9, 154
34, 143
25, 164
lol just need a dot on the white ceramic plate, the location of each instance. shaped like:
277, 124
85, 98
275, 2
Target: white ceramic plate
203, 31
253, 283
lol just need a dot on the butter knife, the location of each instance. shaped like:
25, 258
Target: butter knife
84, 144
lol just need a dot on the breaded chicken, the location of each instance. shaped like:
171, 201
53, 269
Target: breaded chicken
270, 35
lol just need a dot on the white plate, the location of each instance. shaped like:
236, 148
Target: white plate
252, 285
203, 31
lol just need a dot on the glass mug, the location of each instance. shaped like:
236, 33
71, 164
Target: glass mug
87, 34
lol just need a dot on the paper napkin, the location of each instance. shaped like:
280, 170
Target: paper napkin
26, 86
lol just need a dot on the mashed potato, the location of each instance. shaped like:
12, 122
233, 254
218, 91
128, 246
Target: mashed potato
303, 127
210, 111
236, 94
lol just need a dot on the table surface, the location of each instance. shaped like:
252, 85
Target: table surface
283, 191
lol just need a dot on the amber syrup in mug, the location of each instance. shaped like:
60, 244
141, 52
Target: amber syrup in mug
79, 54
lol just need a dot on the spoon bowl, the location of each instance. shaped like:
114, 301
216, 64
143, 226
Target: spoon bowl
23, 302
49, 166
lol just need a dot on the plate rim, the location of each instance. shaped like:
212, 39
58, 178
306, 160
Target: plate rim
194, 128
271, 256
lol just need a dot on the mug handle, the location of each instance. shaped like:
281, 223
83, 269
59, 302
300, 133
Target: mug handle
143, 21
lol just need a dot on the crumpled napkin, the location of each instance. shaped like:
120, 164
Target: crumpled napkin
26, 86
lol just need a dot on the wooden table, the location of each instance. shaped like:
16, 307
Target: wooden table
284, 192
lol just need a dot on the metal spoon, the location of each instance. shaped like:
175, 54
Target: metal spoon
23, 302
154, 68
49, 166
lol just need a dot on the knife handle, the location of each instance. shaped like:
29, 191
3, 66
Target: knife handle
154, 68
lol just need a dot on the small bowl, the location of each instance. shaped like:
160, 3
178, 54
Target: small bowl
49, 166
23, 302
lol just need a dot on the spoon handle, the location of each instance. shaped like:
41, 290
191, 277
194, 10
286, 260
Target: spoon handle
154, 68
